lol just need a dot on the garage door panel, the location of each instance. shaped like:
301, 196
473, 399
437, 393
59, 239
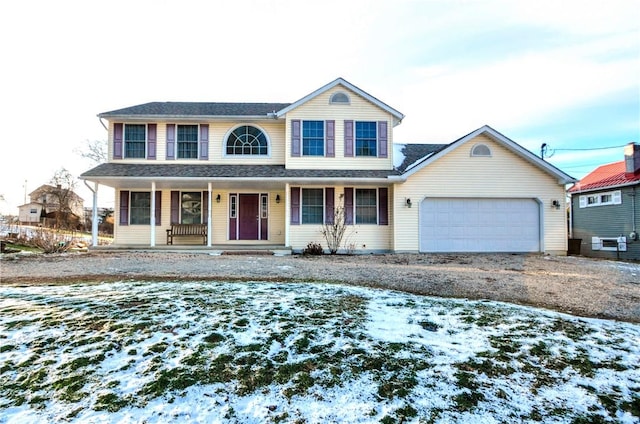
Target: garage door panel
479, 225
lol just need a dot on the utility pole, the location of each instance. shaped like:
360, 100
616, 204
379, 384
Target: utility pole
25, 193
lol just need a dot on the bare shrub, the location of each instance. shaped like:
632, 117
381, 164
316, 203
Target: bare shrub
313, 248
50, 241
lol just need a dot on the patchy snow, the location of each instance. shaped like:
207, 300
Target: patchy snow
135, 352
398, 154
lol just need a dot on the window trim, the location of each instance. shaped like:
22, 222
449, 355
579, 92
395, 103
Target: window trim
302, 206
333, 101
616, 199
228, 134
197, 142
131, 208
324, 137
355, 139
375, 206
124, 140
181, 211
476, 154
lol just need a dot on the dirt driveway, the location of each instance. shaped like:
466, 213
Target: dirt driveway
576, 285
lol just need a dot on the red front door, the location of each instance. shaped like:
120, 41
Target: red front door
249, 216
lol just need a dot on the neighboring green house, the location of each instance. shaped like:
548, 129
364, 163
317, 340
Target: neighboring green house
605, 209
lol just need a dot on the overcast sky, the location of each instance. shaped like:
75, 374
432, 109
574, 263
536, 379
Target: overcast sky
565, 73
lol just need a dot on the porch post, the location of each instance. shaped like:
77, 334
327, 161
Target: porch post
153, 214
209, 220
287, 214
94, 214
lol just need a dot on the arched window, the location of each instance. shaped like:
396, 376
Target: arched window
481, 150
339, 98
247, 140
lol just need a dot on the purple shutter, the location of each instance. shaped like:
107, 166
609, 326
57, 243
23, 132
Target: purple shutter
330, 137
348, 205
329, 210
151, 141
295, 205
117, 140
175, 207
158, 208
348, 138
382, 139
124, 207
295, 137
171, 141
383, 206
205, 207
204, 141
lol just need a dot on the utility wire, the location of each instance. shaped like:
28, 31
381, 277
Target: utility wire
592, 148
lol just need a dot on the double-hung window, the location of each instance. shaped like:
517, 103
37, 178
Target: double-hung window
187, 138
312, 205
135, 137
313, 138
140, 208
191, 207
366, 139
366, 206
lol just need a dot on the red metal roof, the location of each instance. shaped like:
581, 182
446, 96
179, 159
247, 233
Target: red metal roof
604, 176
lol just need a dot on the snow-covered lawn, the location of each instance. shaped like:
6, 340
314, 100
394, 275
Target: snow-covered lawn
303, 353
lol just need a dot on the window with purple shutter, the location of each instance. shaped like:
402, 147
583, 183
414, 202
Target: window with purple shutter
204, 141
348, 205
295, 205
171, 141
295, 137
124, 207
330, 135
382, 139
151, 141
348, 138
383, 202
158, 208
175, 207
117, 140
329, 205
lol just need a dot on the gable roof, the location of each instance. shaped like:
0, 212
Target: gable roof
196, 110
501, 139
340, 81
606, 176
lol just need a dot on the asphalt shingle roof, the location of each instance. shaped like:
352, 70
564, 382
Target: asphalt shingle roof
414, 153
226, 171
197, 109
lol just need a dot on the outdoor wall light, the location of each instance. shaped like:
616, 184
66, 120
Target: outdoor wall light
218, 198
408, 202
277, 198
555, 204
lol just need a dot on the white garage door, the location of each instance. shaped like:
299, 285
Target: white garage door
479, 225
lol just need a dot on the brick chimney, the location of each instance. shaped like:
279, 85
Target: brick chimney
632, 158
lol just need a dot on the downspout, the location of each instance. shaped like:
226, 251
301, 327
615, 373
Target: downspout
103, 125
94, 214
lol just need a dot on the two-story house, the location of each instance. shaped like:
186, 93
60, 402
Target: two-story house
45, 201
273, 173
605, 208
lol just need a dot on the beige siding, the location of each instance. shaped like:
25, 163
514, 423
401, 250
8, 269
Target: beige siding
457, 174
218, 132
319, 108
357, 237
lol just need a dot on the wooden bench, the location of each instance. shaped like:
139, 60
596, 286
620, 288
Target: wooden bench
186, 230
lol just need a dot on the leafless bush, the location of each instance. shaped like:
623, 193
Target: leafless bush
50, 241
